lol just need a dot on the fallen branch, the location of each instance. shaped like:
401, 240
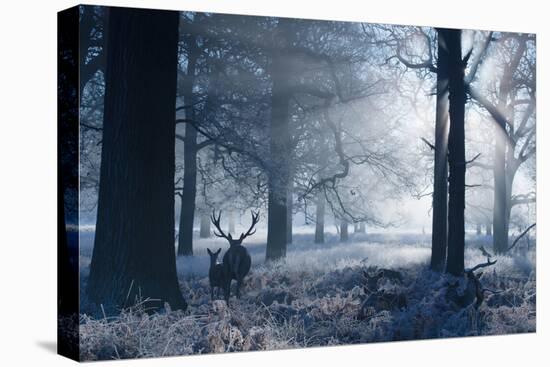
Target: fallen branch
520, 236
479, 266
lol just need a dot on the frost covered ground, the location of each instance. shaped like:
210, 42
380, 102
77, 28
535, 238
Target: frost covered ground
318, 296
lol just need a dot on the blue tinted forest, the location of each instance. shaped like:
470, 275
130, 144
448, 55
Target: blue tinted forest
256, 183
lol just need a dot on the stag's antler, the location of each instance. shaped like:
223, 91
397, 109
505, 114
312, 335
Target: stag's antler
216, 223
251, 230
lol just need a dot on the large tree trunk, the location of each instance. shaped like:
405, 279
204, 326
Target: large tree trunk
504, 172
190, 150
503, 210
505, 164
189, 192
320, 219
362, 227
289, 208
439, 204
344, 233
500, 233
205, 226
512, 166
133, 253
457, 157
278, 177
478, 229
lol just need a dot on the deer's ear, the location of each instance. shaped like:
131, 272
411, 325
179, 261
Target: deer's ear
219, 250
209, 252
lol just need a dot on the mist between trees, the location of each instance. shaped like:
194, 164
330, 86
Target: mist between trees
337, 127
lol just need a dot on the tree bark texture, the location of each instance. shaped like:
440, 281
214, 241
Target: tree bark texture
441, 170
457, 157
134, 255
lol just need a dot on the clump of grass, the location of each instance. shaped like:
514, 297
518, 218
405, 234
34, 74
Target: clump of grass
134, 333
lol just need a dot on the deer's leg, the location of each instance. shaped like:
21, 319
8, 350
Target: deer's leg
227, 290
239, 282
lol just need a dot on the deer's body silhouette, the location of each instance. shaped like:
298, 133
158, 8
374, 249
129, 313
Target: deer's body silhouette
216, 274
236, 261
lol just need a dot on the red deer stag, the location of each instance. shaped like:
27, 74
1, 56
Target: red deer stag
236, 261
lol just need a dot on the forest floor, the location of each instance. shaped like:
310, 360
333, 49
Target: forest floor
318, 296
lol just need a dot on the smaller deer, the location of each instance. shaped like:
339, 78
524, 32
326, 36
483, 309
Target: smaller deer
236, 260
215, 274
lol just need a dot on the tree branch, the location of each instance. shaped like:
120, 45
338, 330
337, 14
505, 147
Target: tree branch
492, 109
478, 59
521, 235
432, 147
523, 199
473, 159
479, 266
425, 64
204, 144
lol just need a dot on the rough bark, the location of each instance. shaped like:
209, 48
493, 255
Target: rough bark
289, 208
439, 204
344, 233
500, 233
501, 246
320, 219
321, 200
488, 228
457, 158
190, 150
362, 227
133, 253
278, 175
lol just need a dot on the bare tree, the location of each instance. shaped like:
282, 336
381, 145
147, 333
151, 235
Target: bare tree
512, 107
457, 155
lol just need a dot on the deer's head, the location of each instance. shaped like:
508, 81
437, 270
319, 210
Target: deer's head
213, 256
232, 241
